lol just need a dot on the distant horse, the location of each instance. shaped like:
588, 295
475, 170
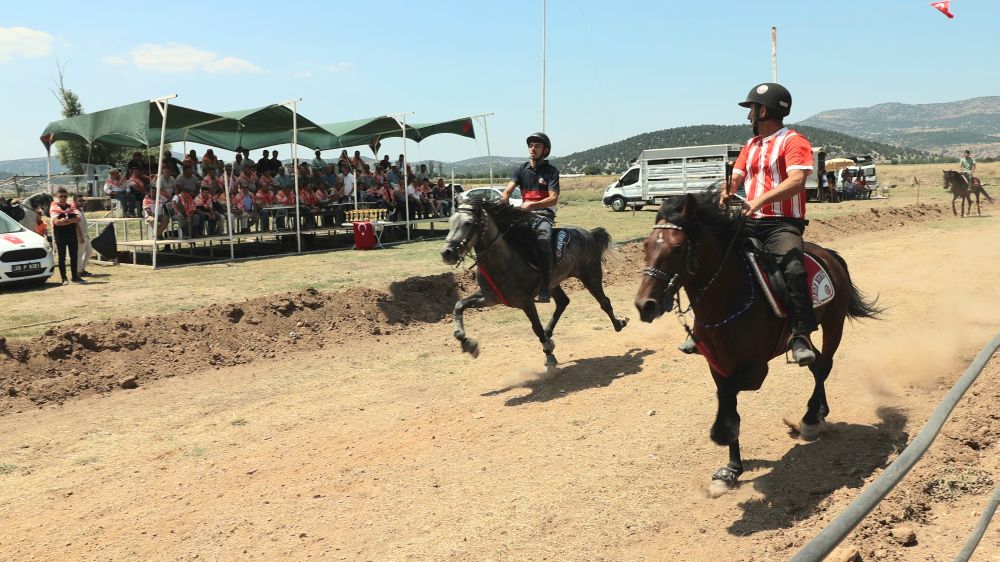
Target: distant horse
697, 246
35, 206
503, 238
959, 188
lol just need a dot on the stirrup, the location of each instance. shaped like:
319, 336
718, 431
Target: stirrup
802, 351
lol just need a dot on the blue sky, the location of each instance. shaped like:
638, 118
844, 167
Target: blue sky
614, 69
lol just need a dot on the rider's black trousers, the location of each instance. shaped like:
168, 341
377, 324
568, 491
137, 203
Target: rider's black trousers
783, 238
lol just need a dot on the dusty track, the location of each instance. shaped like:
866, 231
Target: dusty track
368, 436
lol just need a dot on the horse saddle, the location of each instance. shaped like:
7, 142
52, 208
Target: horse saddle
560, 243
772, 282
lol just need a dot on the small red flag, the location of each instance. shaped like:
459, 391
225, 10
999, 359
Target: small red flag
943, 8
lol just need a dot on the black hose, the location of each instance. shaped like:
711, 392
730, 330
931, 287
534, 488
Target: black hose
828, 539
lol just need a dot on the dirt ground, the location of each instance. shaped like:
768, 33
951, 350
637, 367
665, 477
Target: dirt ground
347, 425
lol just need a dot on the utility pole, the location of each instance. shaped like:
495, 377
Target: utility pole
774, 54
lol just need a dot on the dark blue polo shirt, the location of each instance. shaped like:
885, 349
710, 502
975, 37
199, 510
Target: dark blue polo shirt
536, 184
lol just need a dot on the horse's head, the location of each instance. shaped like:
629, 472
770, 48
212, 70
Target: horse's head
951, 178
465, 227
39, 202
670, 257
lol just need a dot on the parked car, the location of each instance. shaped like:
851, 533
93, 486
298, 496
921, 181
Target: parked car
490, 193
24, 255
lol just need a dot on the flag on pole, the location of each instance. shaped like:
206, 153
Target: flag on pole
375, 144
943, 8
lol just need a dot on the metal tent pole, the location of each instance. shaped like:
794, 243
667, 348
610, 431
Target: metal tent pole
406, 180
543, 63
486, 130
165, 101
295, 167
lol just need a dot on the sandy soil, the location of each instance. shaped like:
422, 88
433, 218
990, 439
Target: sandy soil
348, 425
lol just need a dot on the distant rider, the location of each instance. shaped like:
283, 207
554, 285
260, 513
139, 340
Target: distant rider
773, 166
539, 183
968, 164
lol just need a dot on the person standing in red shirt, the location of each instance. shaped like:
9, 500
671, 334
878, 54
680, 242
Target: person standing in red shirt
773, 167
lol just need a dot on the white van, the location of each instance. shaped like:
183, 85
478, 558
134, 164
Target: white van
665, 172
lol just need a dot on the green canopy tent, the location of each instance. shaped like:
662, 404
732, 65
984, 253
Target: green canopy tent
128, 125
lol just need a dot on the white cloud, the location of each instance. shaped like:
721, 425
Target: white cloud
23, 42
174, 58
231, 65
302, 74
338, 67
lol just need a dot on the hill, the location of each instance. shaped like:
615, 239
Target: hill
940, 128
614, 157
28, 167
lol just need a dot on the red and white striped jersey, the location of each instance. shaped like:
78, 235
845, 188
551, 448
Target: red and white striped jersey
766, 161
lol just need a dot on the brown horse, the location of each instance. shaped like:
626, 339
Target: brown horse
959, 188
696, 246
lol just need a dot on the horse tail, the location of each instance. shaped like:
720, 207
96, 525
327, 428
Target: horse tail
602, 238
858, 306
987, 195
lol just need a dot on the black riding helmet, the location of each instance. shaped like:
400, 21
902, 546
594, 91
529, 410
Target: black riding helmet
542, 138
774, 97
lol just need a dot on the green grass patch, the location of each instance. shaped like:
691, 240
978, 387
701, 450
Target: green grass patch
84, 461
6, 468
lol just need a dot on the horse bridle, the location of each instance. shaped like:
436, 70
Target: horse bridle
689, 253
478, 223
692, 264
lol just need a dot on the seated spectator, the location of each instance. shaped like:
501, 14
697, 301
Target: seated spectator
205, 205
442, 195
245, 209
393, 175
329, 176
286, 199
385, 191
186, 213
422, 174
210, 160
308, 205
265, 179
247, 179
138, 185
137, 162
187, 180
419, 206
211, 180
364, 176
167, 187
118, 189
263, 199
384, 163
283, 179
318, 163
357, 162
371, 196
149, 212
344, 158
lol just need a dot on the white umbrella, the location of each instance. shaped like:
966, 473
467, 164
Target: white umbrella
835, 164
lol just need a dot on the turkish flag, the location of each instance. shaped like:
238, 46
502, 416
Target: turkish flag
943, 8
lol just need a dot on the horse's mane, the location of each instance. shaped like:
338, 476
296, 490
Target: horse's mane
696, 212
516, 224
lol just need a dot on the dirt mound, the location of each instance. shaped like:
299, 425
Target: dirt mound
876, 219
101, 357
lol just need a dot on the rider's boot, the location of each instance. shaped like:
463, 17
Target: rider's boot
688, 346
802, 350
544, 269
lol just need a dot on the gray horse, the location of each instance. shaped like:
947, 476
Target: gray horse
502, 237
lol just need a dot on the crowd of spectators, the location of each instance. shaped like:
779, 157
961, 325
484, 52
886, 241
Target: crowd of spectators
194, 191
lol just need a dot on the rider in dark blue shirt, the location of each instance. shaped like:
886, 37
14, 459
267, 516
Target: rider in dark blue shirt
539, 183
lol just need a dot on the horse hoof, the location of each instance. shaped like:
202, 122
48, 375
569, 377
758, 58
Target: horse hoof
550, 361
549, 346
622, 322
805, 431
471, 347
718, 489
